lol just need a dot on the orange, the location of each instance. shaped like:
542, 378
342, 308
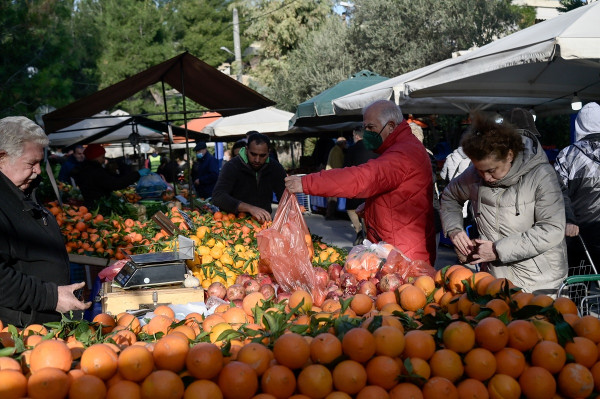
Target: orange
522, 299
419, 367
502, 386
522, 335
8, 363
425, 283
383, 371
123, 337
204, 360
296, 299
159, 324
106, 321
235, 316
498, 285
162, 384
482, 284
48, 383
349, 377
510, 361
372, 392
186, 330
203, 389
51, 353
583, 350
491, 333
537, 382
588, 326
542, 300
164, 310
575, 381
439, 387
459, 337
129, 321
595, 370
315, 381
279, 381
256, 356
386, 320
237, 380
480, 364
418, 344
359, 344
292, 350
88, 387
406, 390
36, 329
135, 363
412, 298
361, 304
498, 307
565, 305
385, 298
254, 299
446, 363
389, 341
325, 348
454, 280
99, 360
13, 384
472, 389
549, 355
170, 352
124, 389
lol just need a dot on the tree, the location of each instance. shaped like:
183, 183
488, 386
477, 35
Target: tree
568, 5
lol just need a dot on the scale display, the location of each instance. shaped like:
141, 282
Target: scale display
135, 275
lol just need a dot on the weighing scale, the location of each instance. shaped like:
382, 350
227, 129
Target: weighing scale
157, 268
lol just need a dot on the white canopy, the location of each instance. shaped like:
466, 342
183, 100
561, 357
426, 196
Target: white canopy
265, 120
99, 123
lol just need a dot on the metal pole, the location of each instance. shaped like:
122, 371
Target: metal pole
169, 134
237, 49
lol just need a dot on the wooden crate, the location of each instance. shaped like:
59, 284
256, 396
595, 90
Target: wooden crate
116, 300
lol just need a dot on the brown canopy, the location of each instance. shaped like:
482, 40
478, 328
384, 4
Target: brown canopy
187, 74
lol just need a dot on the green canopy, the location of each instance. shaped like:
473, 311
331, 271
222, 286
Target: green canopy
319, 109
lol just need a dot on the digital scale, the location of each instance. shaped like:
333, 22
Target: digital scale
157, 268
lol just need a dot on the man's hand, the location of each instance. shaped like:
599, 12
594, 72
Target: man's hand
571, 230
461, 241
484, 252
294, 184
67, 301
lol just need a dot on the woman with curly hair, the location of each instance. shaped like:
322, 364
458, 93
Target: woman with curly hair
517, 204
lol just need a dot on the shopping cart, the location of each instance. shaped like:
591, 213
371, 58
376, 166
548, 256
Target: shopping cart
582, 285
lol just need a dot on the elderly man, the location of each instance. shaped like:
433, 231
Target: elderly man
247, 182
397, 186
34, 265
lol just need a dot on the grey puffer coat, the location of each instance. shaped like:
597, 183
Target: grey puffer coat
523, 214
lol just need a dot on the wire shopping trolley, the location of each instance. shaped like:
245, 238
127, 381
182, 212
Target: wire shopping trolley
582, 285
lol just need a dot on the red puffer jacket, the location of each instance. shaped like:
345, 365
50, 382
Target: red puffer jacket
399, 191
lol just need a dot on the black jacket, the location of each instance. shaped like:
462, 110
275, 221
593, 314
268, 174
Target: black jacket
96, 182
33, 259
206, 170
238, 182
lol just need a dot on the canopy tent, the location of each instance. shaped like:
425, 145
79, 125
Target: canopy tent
198, 124
546, 63
268, 121
319, 110
193, 78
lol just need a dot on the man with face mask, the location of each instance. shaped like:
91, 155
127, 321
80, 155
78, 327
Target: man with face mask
74, 160
205, 171
398, 185
34, 265
247, 182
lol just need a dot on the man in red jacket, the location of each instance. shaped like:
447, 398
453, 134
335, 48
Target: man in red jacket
398, 184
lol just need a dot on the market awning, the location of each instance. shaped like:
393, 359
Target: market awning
268, 121
187, 74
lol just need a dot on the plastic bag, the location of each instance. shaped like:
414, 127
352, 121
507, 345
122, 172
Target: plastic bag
406, 268
365, 261
151, 186
286, 249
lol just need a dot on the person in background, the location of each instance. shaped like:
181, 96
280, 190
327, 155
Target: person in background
95, 181
237, 146
397, 185
578, 170
247, 182
335, 160
205, 171
321, 151
518, 207
154, 160
34, 263
356, 155
418, 132
169, 170
73, 160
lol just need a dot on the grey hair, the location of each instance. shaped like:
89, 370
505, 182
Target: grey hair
388, 111
15, 131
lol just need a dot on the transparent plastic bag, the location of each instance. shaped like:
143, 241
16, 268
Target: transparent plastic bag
406, 268
151, 186
365, 261
286, 250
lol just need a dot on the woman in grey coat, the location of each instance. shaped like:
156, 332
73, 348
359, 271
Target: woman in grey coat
518, 207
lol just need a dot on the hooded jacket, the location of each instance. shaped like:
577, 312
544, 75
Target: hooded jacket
578, 169
33, 259
456, 163
398, 188
522, 214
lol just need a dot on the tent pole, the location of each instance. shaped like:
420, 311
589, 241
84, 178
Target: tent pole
164, 93
187, 141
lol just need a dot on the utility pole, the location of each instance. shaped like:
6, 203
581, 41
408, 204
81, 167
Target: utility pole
237, 49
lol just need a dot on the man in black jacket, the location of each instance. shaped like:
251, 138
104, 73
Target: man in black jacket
247, 182
34, 265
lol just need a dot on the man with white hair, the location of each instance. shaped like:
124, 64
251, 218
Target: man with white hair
578, 170
34, 265
398, 185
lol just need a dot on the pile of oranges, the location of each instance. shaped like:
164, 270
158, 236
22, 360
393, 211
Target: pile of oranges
459, 334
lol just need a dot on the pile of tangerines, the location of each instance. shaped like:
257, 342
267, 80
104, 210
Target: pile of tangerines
457, 335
